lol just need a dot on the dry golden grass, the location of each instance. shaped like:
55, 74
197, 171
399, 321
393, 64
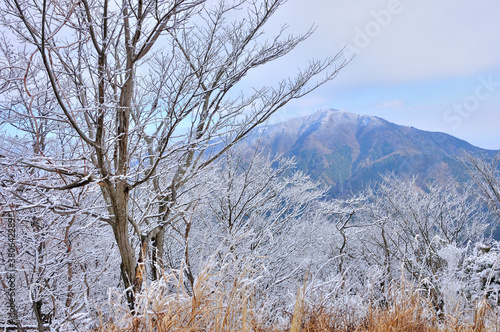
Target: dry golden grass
408, 311
228, 305
213, 304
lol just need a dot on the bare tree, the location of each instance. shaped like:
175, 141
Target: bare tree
255, 200
55, 273
259, 209
485, 174
140, 91
412, 225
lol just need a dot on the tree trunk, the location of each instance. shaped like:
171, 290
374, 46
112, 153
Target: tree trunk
157, 254
127, 254
37, 308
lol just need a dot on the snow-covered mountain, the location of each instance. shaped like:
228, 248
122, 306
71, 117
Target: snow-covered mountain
347, 151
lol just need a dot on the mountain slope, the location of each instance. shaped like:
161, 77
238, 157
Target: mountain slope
347, 151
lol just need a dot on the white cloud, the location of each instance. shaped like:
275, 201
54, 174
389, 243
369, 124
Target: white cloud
423, 39
391, 104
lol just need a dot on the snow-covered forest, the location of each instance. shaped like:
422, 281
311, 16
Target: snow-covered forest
127, 194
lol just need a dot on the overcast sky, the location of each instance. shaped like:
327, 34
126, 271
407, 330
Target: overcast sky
434, 65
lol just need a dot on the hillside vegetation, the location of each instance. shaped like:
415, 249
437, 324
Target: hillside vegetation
348, 151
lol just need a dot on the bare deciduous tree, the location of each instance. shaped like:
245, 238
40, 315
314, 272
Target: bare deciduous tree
412, 225
486, 176
139, 91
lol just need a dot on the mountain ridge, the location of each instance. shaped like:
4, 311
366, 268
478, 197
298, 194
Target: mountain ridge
346, 150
